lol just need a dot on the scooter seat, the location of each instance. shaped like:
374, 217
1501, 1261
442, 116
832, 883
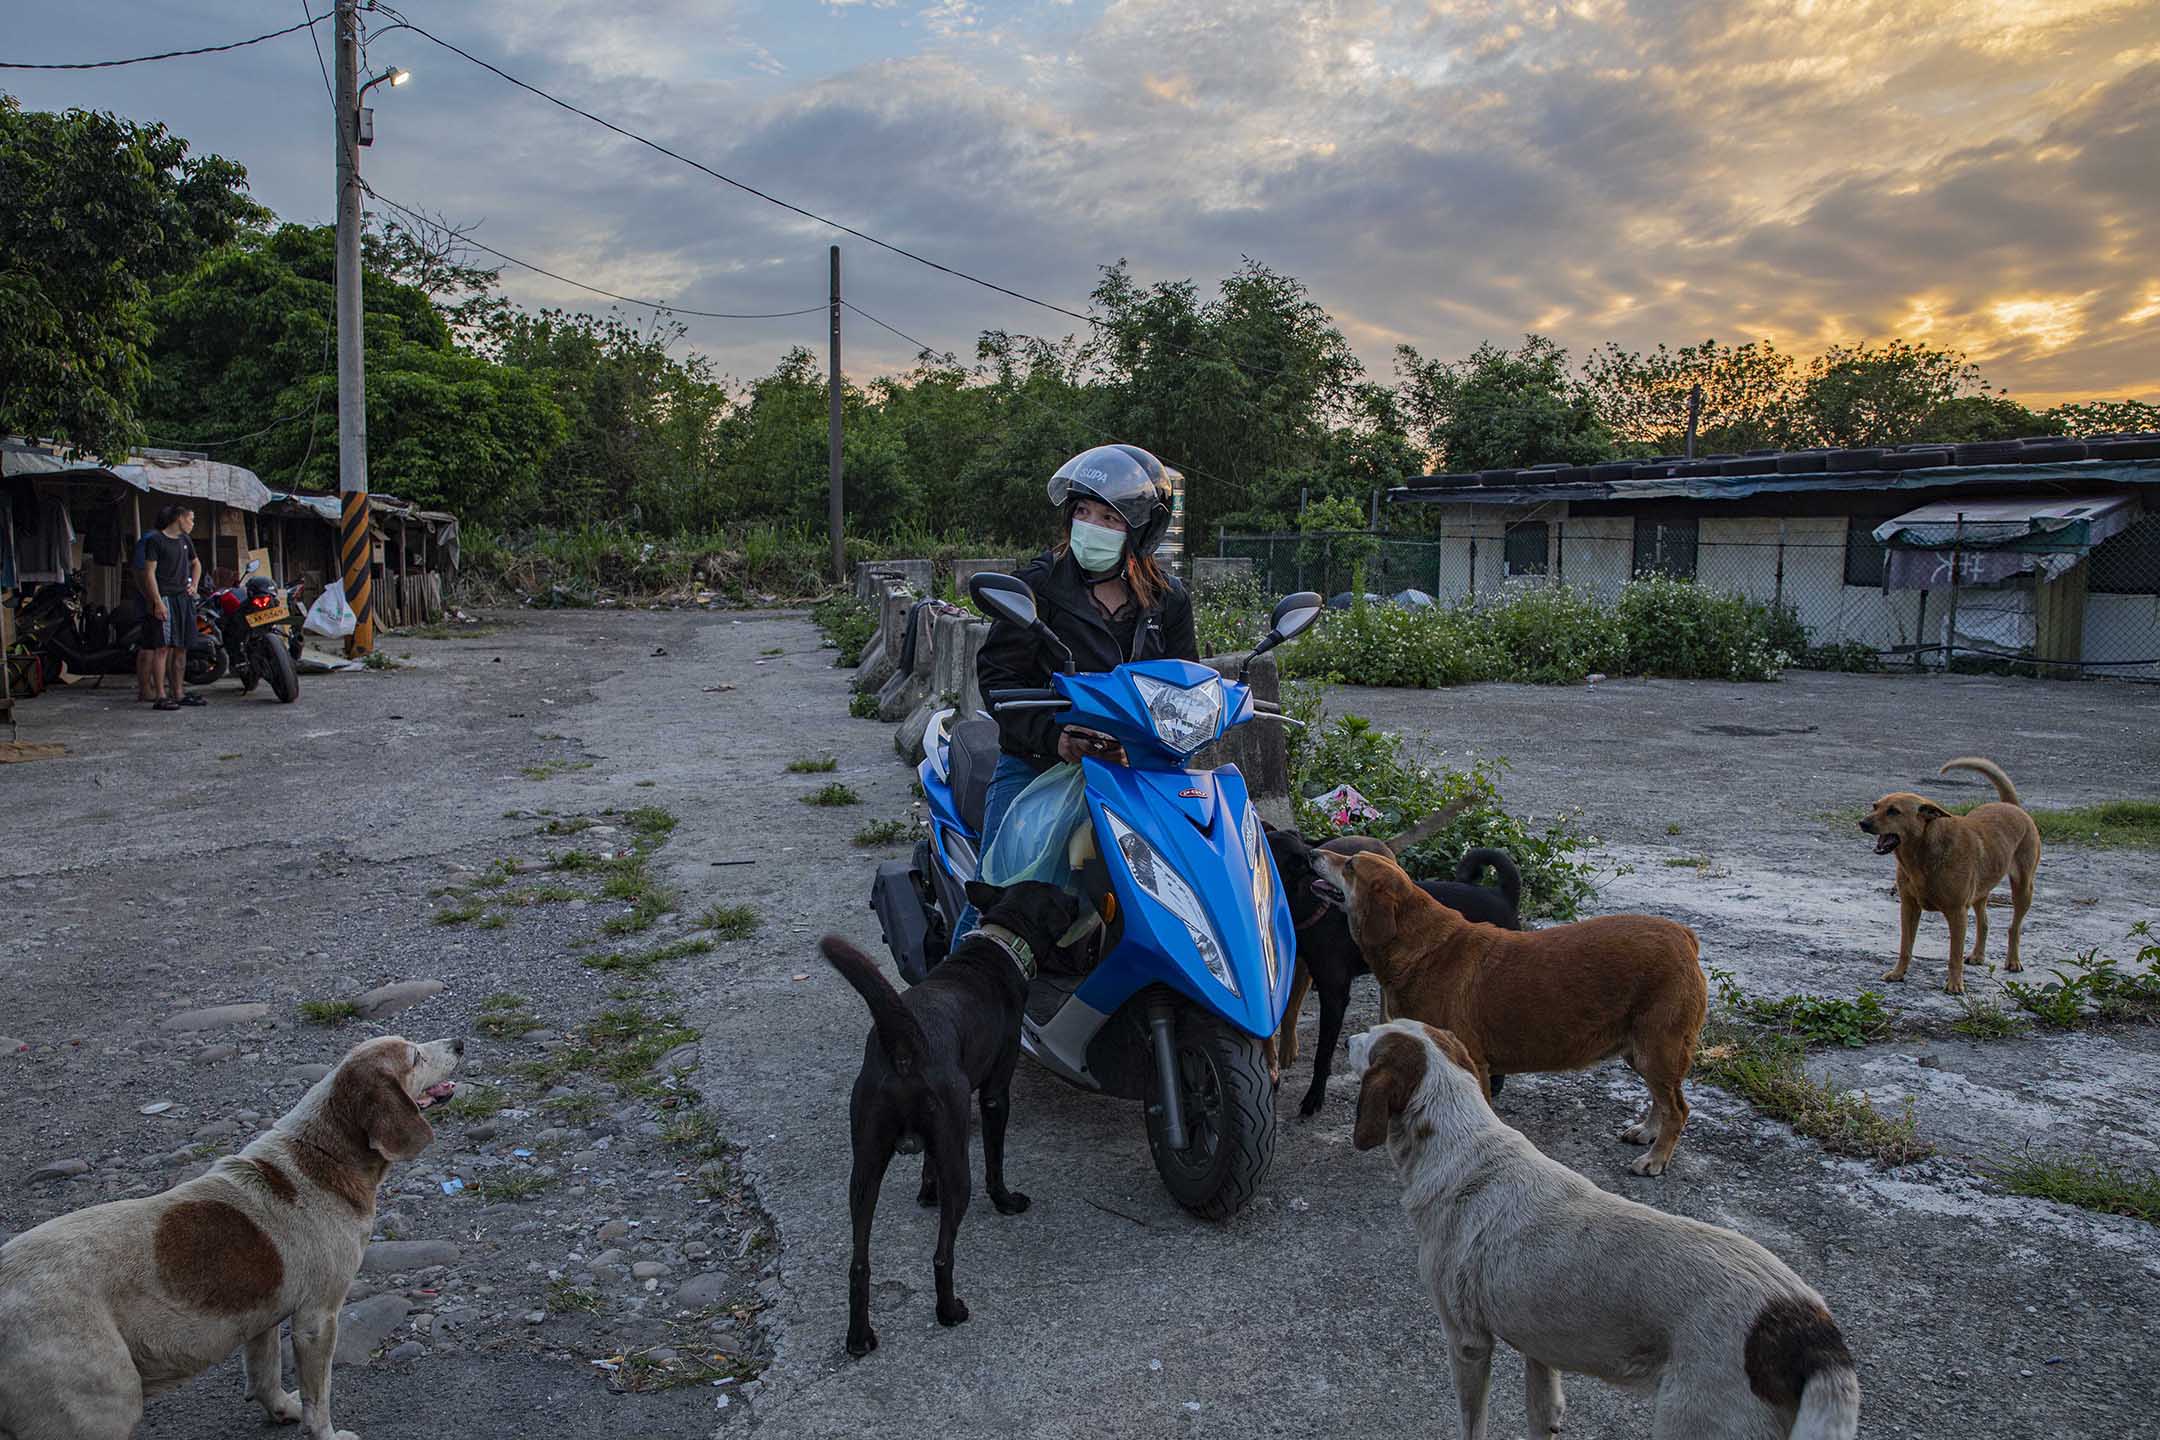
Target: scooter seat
972, 760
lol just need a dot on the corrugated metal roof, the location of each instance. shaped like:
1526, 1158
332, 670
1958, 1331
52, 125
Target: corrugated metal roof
2128, 459
155, 472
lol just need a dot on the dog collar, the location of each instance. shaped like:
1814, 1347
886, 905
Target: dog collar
1016, 949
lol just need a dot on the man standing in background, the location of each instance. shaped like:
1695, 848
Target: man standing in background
167, 571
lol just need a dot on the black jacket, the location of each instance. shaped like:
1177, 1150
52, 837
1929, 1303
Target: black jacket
1013, 658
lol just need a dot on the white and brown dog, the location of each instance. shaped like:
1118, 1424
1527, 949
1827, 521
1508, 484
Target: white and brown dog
1517, 1247
103, 1306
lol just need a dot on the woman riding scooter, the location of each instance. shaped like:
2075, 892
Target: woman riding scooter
1101, 592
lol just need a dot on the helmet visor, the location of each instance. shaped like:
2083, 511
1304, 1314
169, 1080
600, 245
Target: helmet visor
1128, 480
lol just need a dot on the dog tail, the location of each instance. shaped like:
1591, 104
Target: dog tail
1430, 826
1471, 868
1796, 1358
897, 1030
1989, 768
1829, 1406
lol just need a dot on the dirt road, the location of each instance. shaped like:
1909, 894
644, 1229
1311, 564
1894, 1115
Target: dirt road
153, 878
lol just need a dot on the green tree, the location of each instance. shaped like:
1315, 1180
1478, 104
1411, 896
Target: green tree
1503, 408
243, 355
1887, 394
94, 208
2105, 417
1240, 390
1748, 393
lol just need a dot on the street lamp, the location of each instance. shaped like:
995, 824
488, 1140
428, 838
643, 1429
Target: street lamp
366, 122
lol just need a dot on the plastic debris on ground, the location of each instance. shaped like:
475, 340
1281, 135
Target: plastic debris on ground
1345, 806
453, 1186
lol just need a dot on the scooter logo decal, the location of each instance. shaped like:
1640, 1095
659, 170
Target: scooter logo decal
1192, 794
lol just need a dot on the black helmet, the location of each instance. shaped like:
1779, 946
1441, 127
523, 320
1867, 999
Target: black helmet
1127, 479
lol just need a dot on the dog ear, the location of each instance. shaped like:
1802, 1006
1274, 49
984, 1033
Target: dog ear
983, 896
1396, 1070
393, 1124
1929, 810
1371, 911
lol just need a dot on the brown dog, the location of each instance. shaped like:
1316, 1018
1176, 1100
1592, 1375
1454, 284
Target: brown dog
1562, 998
1948, 863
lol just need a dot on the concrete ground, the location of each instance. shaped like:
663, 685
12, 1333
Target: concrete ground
1103, 1310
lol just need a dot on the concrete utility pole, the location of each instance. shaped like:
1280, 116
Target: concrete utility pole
832, 428
355, 547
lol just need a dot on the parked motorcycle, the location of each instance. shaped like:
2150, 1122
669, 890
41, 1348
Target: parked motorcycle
258, 630
63, 629
1187, 979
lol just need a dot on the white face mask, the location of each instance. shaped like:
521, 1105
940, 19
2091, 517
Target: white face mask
1098, 548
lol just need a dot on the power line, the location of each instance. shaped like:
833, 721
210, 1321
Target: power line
610, 294
308, 24
307, 9
743, 186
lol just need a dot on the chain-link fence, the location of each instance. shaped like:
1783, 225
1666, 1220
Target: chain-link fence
2035, 607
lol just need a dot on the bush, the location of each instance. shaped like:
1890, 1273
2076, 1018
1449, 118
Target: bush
1230, 615
1557, 877
1552, 635
848, 623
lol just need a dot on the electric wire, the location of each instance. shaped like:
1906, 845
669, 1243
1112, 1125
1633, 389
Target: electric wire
307, 8
660, 305
308, 24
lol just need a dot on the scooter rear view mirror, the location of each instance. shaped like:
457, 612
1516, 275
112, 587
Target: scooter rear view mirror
1004, 597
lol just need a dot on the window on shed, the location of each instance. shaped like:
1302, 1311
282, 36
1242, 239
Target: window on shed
1665, 547
2128, 562
1526, 548
1865, 556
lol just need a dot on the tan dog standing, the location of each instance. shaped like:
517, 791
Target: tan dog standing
1948, 863
103, 1306
1517, 1248
1520, 1001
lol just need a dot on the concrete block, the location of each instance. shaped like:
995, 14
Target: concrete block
1209, 571
907, 736
869, 574
894, 603
966, 570
972, 638
876, 668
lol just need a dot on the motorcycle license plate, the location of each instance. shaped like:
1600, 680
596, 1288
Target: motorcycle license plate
267, 617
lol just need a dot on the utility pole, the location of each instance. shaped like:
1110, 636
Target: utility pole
832, 435
356, 549
1694, 416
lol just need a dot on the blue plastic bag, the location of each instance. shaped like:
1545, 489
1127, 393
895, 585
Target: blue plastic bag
1031, 843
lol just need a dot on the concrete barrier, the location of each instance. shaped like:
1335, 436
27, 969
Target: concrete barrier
870, 573
966, 570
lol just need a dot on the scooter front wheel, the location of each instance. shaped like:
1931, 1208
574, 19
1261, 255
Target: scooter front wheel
1229, 1105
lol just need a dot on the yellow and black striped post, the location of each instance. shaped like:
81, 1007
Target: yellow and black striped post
356, 558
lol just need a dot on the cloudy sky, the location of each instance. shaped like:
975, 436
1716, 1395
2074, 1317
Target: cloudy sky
1980, 173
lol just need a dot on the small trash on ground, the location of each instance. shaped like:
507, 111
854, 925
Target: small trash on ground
1345, 806
453, 1186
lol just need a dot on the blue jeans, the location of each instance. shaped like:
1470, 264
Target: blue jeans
1012, 776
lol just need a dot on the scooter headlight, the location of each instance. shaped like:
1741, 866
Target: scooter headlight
1162, 884
1263, 890
1185, 717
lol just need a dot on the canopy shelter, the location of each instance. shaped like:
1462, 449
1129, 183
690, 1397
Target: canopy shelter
1993, 541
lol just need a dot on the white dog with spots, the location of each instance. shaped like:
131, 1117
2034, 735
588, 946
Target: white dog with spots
106, 1305
1515, 1246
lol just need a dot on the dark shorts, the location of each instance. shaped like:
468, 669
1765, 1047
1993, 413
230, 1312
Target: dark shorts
176, 631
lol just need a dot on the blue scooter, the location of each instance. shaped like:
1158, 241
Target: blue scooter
1182, 985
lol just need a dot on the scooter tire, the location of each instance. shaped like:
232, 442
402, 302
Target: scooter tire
1229, 1103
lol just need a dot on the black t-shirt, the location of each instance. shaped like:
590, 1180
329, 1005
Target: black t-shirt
174, 558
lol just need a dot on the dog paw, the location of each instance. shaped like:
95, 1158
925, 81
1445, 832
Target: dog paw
1640, 1133
927, 1195
1012, 1203
285, 1409
1648, 1165
2015, 965
1954, 987
1310, 1105
954, 1314
1895, 977
861, 1342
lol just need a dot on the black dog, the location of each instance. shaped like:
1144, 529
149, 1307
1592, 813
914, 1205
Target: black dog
1328, 959
956, 1032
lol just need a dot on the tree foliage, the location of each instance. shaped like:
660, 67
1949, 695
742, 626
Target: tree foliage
1502, 408
95, 209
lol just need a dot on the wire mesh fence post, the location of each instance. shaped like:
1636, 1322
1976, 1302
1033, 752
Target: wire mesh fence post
1957, 549
1473, 567
1777, 588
